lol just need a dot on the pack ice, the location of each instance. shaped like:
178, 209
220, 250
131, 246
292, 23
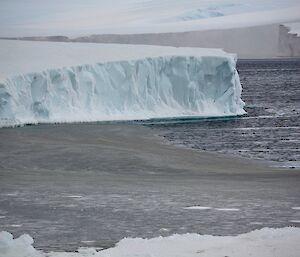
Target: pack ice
44, 82
266, 242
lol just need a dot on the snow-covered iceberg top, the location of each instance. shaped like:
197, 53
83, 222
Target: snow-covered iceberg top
266, 242
80, 82
20, 57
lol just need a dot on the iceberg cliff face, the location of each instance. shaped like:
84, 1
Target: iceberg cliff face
157, 87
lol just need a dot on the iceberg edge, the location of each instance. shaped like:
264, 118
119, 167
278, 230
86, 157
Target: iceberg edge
147, 88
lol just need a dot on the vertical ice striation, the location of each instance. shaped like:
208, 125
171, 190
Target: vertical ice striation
156, 87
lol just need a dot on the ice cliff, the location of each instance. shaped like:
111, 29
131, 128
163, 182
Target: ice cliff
145, 88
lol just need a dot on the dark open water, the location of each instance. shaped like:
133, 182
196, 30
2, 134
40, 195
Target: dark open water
271, 128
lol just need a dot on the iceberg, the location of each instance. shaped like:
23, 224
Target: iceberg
81, 82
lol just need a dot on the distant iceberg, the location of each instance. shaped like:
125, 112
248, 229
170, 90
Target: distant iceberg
119, 83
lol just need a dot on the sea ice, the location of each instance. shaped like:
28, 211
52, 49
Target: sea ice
19, 247
197, 208
266, 242
296, 208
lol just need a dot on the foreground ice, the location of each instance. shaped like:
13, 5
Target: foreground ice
81, 17
266, 242
73, 82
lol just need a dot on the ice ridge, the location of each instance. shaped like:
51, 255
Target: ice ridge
156, 87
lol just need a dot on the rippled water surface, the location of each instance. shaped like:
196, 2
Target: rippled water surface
271, 128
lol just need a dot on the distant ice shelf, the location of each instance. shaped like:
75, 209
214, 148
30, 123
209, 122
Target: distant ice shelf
68, 82
87, 17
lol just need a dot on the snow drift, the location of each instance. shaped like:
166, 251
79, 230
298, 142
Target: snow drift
164, 82
266, 242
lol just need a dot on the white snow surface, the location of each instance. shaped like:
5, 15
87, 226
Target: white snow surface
266, 242
84, 17
44, 82
20, 57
